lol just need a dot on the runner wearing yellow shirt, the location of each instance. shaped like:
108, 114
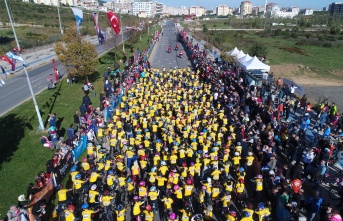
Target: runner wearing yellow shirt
262, 212
92, 194
148, 214
69, 213
120, 213
87, 213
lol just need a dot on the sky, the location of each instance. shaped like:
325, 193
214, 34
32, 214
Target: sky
209, 4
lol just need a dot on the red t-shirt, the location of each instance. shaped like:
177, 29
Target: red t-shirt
296, 185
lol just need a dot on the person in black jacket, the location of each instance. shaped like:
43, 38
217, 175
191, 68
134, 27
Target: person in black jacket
38, 210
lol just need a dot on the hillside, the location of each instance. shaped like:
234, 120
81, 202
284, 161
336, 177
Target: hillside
41, 25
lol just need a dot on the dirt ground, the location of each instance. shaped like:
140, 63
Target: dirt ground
317, 86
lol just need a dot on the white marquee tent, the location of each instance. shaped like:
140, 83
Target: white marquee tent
240, 55
255, 64
244, 59
233, 52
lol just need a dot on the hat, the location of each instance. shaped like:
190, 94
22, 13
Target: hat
21, 198
52, 128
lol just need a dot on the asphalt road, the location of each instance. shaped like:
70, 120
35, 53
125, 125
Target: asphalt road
17, 90
161, 58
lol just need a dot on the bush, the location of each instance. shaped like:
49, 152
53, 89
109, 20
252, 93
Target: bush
327, 45
294, 35
258, 49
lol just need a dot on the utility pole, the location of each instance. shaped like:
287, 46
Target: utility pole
59, 16
41, 125
121, 28
265, 12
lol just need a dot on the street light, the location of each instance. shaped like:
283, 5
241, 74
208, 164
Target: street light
121, 28
41, 125
59, 16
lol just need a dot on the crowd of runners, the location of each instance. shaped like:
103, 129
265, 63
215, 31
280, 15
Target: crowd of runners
199, 144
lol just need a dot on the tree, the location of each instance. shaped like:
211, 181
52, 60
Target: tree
228, 58
258, 49
79, 56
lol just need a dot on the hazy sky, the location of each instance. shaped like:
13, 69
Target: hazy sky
209, 4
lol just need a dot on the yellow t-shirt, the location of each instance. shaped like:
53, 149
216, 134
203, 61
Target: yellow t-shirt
106, 200
62, 195
137, 208
121, 215
69, 216
91, 196
153, 195
87, 215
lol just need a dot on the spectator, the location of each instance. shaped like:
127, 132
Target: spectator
53, 137
70, 132
15, 214
314, 204
52, 120
77, 119
38, 209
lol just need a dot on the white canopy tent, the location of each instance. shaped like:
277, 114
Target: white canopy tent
255, 64
244, 59
240, 55
233, 52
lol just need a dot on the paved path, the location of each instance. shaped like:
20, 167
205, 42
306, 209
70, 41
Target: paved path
17, 90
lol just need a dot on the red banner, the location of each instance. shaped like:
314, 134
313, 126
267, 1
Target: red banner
114, 21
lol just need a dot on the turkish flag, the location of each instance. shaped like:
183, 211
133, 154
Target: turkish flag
5, 58
114, 21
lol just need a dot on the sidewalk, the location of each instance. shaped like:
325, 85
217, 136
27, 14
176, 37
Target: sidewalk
36, 57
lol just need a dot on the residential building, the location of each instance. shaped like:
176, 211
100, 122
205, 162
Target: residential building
197, 10
176, 10
147, 6
223, 10
122, 6
246, 8
277, 13
255, 10
272, 6
336, 8
159, 8
306, 11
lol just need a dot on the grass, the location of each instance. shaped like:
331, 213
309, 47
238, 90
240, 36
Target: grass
284, 51
42, 23
22, 155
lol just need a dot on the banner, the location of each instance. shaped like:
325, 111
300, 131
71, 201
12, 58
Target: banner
45, 193
101, 37
55, 69
4, 58
78, 17
15, 57
113, 19
81, 147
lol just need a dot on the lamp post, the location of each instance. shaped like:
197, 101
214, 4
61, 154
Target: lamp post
121, 28
41, 125
59, 16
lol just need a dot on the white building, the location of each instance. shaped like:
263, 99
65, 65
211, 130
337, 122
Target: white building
197, 10
159, 8
223, 10
283, 14
306, 11
176, 10
147, 6
272, 7
246, 8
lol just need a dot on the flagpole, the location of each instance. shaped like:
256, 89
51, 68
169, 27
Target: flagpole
41, 125
122, 31
59, 16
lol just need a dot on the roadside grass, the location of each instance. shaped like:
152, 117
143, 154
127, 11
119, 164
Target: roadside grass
319, 59
22, 155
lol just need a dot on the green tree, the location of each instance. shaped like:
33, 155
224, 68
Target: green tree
258, 49
204, 28
79, 56
228, 58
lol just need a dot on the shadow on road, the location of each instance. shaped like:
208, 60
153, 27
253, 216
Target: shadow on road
11, 132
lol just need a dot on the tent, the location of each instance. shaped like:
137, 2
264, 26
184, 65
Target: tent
244, 59
255, 64
233, 52
240, 55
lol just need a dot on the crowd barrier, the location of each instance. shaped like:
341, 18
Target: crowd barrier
300, 90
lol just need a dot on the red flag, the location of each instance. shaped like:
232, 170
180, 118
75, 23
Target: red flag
114, 21
5, 58
55, 69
